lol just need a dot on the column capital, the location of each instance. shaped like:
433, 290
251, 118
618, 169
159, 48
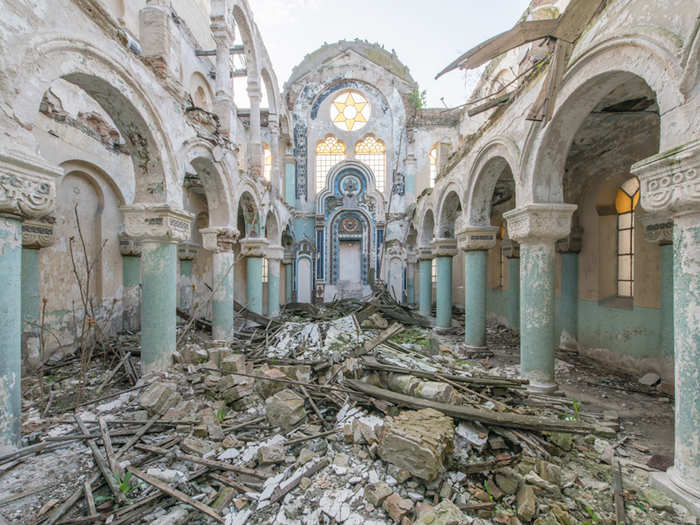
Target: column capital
253, 246
274, 252
411, 256
657, 228
222, 21
38, 233
572, 243
253, 88
425, 253
473, 238
670, 181
128, 246
539, 222
444, 247
510, 249
187, 251
220, 238
27, 185
156, 222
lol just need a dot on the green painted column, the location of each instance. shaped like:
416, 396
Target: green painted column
131, 280
11, 331
425, 288
31, 309
685, 472
288, 282
443, 315
273, 287
667, 299
254, 284
158, 304
475, 298
569, 300
514, 293
536, 227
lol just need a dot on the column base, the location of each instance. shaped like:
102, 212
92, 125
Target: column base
443, 330
542, 388
472, 351
669, 485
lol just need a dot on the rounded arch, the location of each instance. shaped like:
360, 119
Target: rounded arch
102, 74
273, 232
201, 91
248, 215
426, 229
338, 170
270, 82
213, 175
492, 161
592, 76
244, 22
449, 210
94, 173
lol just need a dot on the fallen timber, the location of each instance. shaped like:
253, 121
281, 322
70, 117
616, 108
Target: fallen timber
488, 417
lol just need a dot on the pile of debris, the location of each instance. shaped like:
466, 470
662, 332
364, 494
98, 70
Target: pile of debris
340, 414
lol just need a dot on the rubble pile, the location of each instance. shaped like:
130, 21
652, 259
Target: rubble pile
339, 415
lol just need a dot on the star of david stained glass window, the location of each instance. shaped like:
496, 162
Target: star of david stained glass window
350, 111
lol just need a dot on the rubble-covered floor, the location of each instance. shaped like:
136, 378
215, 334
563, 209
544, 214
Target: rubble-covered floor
239, 432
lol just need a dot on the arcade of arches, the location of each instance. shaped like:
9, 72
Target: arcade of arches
562, 200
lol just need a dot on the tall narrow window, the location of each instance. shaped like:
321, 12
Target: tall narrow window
267, 161
433, 270
329, 152
264, 270
625, 203
433, 157
372, 151
502, 261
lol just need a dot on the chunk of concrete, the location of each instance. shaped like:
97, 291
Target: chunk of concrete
285, 409
159, 397
376, 493
444, 513
649, 379
397, 507
417, 441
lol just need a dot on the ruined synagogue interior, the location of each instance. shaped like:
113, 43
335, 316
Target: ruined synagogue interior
229, 297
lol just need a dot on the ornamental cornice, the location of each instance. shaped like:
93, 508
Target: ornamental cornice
187, 250
658, 229
219, 239
156, 222
38, 233
473, 238
670, 181
253, 246
128, 246
539, 222
27, 185
425, 253
444, 247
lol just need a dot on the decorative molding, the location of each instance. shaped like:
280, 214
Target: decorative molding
38, 233
670, 181
27, 185
187, 251
658, 229
128, 246
474, 238
253, 246
510, 249
572, 243
539, 222
425, 253
219, 239
444, 247
156, 222
275, 252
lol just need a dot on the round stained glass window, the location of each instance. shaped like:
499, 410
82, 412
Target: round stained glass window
350, 111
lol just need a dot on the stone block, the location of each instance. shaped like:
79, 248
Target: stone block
442, 514
376, 493
271, 454
269, 388
233, 363
417, 441
397, 507
526, 503
159, 397
436, 391
285, 409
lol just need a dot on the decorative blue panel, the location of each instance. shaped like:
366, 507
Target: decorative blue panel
319, 251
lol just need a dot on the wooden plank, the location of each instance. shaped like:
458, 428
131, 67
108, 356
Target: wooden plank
489, 417
575, 19
488, 105
92, 509
163, 487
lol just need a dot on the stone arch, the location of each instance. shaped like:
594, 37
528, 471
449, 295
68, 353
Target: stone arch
273, 232
426, 231
102, 74
248, 215
449, 211
591, 77
201, 91
270, 83
492, 161
213, 175
244, 22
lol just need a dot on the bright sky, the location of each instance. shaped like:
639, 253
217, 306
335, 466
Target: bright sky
426, 35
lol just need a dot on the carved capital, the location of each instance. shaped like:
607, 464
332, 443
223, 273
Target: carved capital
510, 249
222, 22
128, 246
539, 222
38, 233
273, 124
572, 243
425, 253
474, 238
658, 229
156, 222
187, 251
444, 247
219, 239
27, 185
253, 246
670, 181
274, 252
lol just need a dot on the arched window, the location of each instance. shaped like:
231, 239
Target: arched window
264, 270
433, 157
372, 151
625, 202
267, 161
350, 111
329, 152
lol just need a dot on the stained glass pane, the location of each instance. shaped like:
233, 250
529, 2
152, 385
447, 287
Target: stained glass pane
635, 200
623, 202
329, 152
623, 242
631, 186
372, 152
624, 265
624, 288
624, 220
350, 111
